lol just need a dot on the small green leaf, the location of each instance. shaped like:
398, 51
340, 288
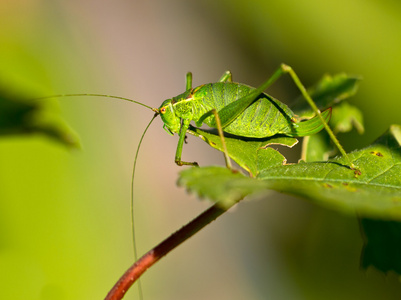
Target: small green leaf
250, 154
23, 117
345, 117
327, 92
375, 193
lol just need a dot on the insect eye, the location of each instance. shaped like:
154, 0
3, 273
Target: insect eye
163, 110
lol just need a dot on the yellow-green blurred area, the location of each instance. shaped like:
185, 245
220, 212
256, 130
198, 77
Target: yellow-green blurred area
65, 230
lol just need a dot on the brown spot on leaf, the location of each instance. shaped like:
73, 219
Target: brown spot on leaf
377, 153
348, 187
357, 172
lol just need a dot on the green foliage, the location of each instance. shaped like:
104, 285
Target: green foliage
19, 116
327, 92
376, 192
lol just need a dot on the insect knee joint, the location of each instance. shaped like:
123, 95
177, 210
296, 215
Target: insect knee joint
285, 68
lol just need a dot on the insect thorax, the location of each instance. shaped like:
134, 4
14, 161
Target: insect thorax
189, 105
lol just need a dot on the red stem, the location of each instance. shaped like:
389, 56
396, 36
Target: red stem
139, 267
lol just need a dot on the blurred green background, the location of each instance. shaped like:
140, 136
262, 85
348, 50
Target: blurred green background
64, 215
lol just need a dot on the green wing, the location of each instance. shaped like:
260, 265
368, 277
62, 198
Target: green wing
229, 113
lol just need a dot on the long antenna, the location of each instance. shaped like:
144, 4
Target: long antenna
157, 112
132, 200
98, 95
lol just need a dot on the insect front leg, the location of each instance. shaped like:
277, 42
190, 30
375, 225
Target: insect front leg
183, 131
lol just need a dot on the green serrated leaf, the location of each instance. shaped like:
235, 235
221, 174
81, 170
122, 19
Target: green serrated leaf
22, 117
251, 154
375, 193
328, 91
219, 184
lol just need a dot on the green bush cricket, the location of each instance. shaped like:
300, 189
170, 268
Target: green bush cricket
242, 111
236, 109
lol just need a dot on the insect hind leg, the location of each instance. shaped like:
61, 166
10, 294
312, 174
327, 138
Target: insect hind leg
287, 69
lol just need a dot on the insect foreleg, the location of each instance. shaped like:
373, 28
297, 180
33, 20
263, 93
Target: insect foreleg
287, 69
227, 77
183, 131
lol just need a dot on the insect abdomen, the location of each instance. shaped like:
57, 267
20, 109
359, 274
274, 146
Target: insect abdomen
263, 118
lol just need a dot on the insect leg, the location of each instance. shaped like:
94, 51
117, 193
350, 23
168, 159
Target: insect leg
227, 77
223, 142
189, 81
183, 131
287, 69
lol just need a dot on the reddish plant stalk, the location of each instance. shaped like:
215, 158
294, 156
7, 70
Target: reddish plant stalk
150, 258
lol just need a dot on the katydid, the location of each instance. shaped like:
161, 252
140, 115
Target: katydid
242, 111
236, 109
